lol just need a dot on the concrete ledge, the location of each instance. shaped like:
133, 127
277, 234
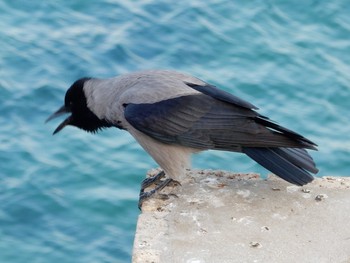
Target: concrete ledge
226, 217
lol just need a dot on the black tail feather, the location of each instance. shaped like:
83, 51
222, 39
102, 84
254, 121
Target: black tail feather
291, 164
291, 134
299, 157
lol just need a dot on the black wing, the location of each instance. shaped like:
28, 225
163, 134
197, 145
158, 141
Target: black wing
202, 122
214, 121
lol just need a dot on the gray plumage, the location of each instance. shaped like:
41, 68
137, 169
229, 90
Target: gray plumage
173, 115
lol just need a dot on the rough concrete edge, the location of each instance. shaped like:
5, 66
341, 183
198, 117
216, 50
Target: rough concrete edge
159, 209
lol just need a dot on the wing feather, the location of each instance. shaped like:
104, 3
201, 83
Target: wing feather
203, 122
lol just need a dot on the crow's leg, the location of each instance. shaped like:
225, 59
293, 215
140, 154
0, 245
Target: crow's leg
151, 180
145, 195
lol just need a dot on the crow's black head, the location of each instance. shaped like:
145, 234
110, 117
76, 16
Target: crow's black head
75, 102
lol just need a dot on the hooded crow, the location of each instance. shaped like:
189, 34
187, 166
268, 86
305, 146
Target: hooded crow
173, 115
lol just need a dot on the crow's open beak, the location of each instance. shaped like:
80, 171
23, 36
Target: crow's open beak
61, 111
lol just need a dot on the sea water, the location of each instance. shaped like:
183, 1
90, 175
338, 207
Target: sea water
73, 197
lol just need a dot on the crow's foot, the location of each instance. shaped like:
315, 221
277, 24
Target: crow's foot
160, 185
151, 180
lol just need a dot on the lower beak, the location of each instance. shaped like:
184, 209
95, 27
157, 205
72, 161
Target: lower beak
61, 111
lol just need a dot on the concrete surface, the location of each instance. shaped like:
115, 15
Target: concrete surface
224, 217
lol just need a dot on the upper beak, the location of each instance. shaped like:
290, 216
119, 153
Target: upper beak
61, 111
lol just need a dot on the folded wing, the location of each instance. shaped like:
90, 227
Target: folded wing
212, 120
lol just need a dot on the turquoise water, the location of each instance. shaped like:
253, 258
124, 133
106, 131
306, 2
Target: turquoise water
73, 197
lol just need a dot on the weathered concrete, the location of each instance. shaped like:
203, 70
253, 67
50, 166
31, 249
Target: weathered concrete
225, 217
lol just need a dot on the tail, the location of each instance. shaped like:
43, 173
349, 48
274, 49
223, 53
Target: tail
291, 164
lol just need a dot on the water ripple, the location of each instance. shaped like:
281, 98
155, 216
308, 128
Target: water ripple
72, 197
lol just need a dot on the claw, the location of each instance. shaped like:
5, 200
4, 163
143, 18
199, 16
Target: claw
151, 180
145, 195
